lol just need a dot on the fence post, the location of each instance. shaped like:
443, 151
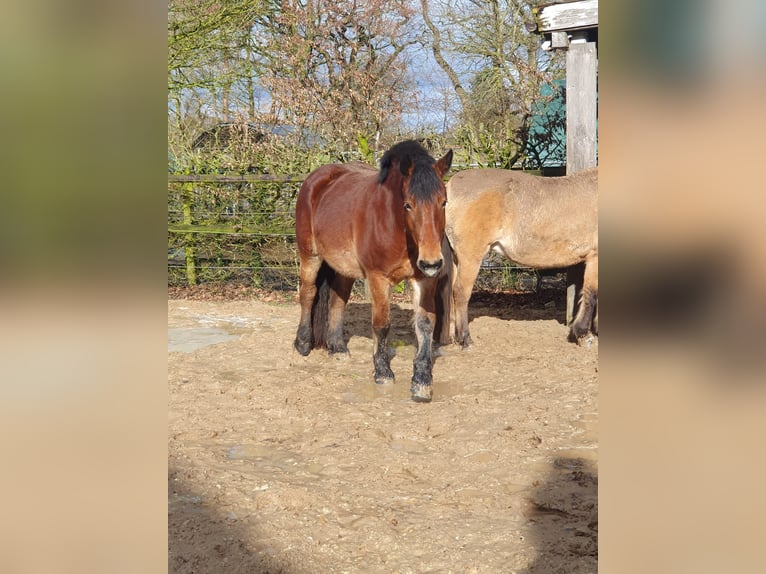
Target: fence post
190, 239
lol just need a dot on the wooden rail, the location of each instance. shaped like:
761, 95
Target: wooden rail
190, 229
237, 178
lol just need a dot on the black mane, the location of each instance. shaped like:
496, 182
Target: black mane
424, 179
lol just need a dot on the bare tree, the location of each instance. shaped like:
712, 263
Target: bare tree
336, 68
211, 65
497, 70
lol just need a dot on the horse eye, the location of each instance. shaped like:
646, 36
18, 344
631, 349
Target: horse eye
408, 207
444, 204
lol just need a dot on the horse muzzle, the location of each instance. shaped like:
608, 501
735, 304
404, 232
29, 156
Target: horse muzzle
430, 268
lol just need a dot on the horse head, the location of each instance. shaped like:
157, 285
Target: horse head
420, 180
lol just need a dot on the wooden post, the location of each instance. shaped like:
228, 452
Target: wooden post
581, 105
581, 126
188, 202
570, 25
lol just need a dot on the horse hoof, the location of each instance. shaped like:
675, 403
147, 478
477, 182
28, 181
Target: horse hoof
421, 393
384, 380
340, 355
337, 347
584, 340
577, 336
304, 348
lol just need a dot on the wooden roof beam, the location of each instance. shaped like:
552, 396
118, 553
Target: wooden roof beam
578, 15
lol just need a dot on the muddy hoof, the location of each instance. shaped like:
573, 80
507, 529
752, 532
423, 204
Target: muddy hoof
383, 373
337, 348
578, 336
303, 347
340, 355
421, 393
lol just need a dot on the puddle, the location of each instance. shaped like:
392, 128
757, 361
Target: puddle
189, 334
368, 391
257, 452
190, 339
408, 445
481, 457
188, 501
271, 459
587, 422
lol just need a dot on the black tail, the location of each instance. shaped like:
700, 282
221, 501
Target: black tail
320, 308
442, 335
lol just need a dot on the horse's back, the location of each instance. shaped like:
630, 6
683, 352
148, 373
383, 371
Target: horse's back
340, 216
472, 185
567, 198
326, 178
326, 199
536, 221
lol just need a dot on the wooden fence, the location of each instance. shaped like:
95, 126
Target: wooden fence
189, 226
277, 229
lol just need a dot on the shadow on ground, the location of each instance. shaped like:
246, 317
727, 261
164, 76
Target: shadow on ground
204, 538
357, 322
545, 304
563, 519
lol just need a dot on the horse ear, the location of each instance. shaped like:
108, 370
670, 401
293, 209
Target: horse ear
405, 165
443, 165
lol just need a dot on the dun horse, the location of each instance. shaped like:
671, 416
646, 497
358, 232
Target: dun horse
541, 222
353, 222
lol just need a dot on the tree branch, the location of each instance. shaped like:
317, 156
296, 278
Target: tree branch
443, 64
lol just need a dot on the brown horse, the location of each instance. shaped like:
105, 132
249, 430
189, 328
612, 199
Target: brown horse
541, 222
353, 222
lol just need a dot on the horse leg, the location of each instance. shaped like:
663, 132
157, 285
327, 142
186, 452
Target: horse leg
380, 295
588, 300
465, 277
308, 274
595, 319
339, 294
444, 326
424, 301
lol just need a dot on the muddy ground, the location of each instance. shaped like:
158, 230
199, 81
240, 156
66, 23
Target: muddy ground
279, 463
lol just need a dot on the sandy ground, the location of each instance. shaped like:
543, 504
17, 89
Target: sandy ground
279, 463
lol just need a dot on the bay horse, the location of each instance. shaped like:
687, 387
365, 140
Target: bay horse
535, 221
355, 222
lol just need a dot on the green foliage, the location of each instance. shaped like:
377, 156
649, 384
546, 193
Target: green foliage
364, 148
208, 40
280, 88
485, 149
237, 220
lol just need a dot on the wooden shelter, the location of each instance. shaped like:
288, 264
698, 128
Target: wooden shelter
573, 26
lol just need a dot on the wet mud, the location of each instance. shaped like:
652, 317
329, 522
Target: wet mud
280, 463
